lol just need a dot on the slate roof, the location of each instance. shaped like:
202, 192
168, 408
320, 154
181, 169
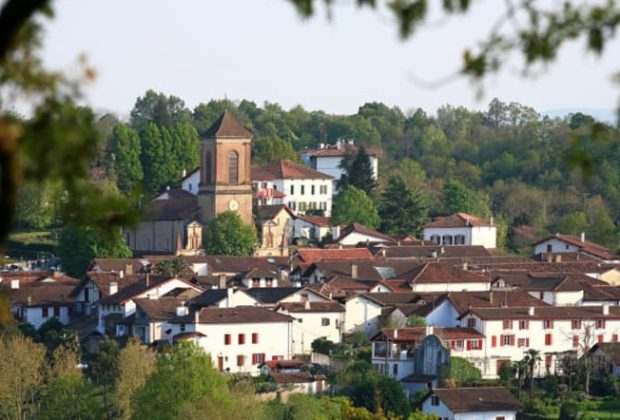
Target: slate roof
179, 205
458, 220
547, 312
601, 293
271, 295
209, 297
44, 293
226, 126
312, 307
286, 169
239, 315
479, 399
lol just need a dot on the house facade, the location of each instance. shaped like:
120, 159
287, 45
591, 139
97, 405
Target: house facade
461, 229
480, 403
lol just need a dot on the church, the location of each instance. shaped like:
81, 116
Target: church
172, 222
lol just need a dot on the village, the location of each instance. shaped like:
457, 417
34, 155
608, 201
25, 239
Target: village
315, 295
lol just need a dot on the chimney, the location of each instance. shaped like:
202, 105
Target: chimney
147, 280
183, 173
395, 332
113, 288
382, 252
398, 243
229, 297
582, 237
129, 269
121, 274
434, 254
307, 305
221, 284
605, 309
197, 316
531, 311
182, 310
465, 265
15, 284
558, 258
353, 271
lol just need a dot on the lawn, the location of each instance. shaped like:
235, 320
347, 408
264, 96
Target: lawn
29, 245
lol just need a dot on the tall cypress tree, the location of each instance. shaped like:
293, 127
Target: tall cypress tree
186, 146
402, 210
153, 159
125, 144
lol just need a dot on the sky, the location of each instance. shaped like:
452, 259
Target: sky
262, 50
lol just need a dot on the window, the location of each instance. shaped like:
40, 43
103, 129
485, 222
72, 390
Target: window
494, 341
254, 338
324, 322
208, 168
575, 324
507, 324
474, 344
323, 189
227, 339
241, 339
435, 400
303, 189
233, 168
549, 248
575, 341
312, 189
240, 360
190, 187
600, 323
523, 342
44, 311
182, 327
56, 311
447, 239
264, 185
436, 239
524, 324
548, 324
292, 189
548, 339
471, 323
395, 369
548, 361
459, 240
507, 340
258, 358
291, 205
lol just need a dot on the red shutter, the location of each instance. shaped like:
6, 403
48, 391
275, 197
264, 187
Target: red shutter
468, 344
512, 340
614, 338
494, 341
601, 338
575, 341
501, 340
254, 338
227, 339
527, 342
241, 339
254, 359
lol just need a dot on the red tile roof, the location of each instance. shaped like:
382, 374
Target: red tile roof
586, 246
240, 315
226, 126
286, 169
315, 220
478, 400
312, 255
439, 272
312, 307
363, 230
458, 220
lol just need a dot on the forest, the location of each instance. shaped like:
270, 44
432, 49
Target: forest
533, 174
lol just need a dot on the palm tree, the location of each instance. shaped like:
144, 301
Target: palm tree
520, 367
531, 359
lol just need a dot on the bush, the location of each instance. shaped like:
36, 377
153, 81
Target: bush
464, 372
569, 410
323, 345
604, 387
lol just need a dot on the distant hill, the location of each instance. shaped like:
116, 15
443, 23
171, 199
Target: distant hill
605, 115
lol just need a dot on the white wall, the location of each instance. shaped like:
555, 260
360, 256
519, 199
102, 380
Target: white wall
190, 184
485, 236
444, 315
34, 314
361, 315
556, 246
452, 287
443, 412
308, 326
303, 229
355, 238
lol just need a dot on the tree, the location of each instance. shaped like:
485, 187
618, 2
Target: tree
416, 321
22, 365
267, 150
104, 368
569, 410
186, 148
176, 266
78, 245
357, 171
354, 206
135, 363
226, 234
125, 145
159, 109
403, 211
184, 376
464, 372
155, 160
531, 360
458, 198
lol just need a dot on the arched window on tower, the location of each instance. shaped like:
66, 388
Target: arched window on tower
208, 168
233, 168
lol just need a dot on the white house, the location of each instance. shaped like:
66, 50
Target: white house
190, 181
312, 227
327, 158
480, 403
313, 320
574, 244
355, 234
238, 339
461, 229
304, 188
444, 277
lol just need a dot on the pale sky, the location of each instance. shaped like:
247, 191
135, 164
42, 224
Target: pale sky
263, 51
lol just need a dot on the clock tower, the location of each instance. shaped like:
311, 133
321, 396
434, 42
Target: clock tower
225, 170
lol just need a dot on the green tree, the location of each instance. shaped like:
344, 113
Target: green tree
464, 372
226, 234
186, 148
531, 360
402, 210
104, 369
155, 159
159, 109
416, 321
354, 206
70, 397
176, 266
38, 206
125, 145
569, 410
184, 376
358, 172
135, 363
459, 198
78, 245
267, 150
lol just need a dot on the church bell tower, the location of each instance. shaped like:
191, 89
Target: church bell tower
225, 170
